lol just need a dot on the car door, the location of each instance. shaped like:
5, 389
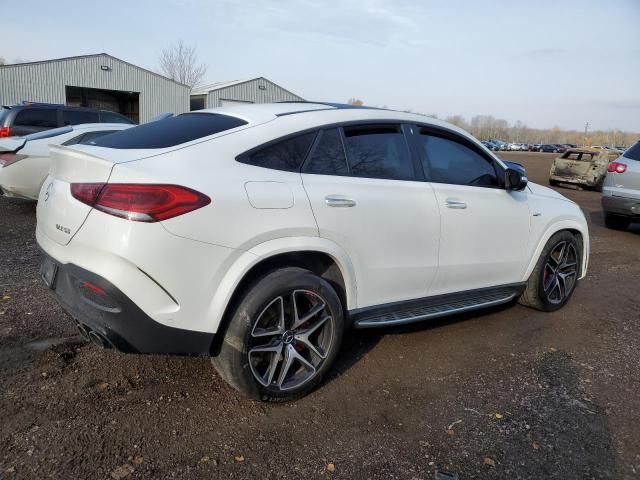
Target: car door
484, 227
362, 184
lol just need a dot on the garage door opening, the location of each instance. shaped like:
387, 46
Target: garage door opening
126, 103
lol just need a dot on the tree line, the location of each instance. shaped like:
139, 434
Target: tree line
487, 127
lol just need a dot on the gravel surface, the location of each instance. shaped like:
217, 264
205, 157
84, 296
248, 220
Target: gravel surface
505, 393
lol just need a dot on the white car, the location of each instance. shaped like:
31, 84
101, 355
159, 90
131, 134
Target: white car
257, 234
24, 161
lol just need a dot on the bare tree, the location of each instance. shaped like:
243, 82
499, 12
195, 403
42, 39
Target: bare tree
179, 62
355, 101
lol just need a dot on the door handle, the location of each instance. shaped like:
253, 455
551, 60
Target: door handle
454, 203
339, 201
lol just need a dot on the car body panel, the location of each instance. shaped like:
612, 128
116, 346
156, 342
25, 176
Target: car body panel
469, 257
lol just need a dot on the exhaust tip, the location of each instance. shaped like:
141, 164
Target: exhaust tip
99, 340
83, 331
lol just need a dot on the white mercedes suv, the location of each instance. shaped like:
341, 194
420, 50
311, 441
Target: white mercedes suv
257, 234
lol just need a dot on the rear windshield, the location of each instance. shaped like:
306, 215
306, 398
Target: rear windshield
634, 152
171, 131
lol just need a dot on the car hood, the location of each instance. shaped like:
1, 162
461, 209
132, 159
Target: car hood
547, 192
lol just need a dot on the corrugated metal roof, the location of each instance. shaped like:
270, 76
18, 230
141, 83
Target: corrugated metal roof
91, 56
202, 89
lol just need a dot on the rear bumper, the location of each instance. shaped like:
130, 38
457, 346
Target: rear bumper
627, 207
113, 319
578, 180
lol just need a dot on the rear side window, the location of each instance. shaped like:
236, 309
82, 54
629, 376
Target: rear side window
634, 152
447, 161
170, 131
112, 117
284, 155
378, 152
327, 156
78, 117
37, 117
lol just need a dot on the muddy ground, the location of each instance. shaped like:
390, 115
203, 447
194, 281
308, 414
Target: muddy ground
509, 393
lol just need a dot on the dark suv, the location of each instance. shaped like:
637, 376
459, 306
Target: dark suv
20, 120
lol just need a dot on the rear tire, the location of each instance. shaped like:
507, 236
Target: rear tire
555, 276
553, 183
270, 352
616, 222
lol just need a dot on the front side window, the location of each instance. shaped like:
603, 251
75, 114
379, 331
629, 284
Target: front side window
447, 161
286, 154
327, 157
37, 117
378, 152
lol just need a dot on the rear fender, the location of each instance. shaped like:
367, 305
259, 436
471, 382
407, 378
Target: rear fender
263, 251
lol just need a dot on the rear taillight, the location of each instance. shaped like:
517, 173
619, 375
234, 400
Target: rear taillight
5, 132
617, 167
7, 159
139, 202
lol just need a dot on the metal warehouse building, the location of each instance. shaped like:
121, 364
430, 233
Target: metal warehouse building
99, 81
237, 92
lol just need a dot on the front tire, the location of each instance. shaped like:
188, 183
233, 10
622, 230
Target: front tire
283, 336
555, 276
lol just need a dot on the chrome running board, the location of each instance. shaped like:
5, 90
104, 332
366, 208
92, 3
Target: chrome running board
415, 311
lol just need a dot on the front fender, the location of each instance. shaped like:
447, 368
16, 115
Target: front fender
265, 250
552, 229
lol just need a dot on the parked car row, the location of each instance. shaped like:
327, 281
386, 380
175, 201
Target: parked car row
257, 234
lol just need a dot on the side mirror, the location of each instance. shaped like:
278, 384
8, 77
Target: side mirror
515, 178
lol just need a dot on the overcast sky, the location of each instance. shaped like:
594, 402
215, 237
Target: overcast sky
544, 62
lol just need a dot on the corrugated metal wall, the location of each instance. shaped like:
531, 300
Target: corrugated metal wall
251, 92
46, 81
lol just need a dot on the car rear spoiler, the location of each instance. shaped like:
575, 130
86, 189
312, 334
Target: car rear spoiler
12, 144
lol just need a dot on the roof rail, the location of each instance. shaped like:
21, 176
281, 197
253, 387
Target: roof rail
330, 105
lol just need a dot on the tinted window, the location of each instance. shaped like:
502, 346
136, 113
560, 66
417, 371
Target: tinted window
447, 161
112, 117
77, 117
37, 117
634, 152
171, 131
327, 157
285, 155
378, 152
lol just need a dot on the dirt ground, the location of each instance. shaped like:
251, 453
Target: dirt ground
508, 393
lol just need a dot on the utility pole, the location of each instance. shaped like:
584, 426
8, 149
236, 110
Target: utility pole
586, 129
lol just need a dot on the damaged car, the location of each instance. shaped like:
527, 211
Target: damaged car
584, 167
